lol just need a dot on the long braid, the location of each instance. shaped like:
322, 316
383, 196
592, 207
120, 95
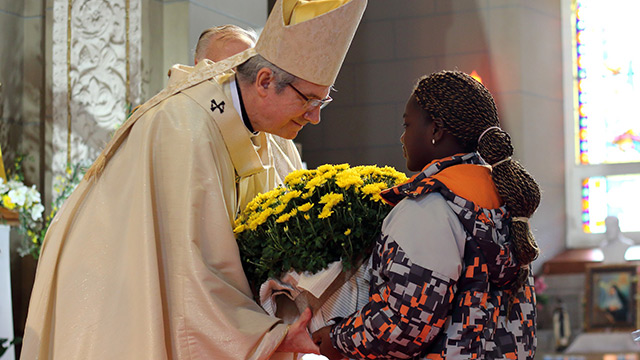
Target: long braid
466, 109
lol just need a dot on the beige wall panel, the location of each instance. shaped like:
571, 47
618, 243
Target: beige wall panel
373, 41
12, 7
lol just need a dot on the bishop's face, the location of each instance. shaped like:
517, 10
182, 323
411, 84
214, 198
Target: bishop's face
287, 111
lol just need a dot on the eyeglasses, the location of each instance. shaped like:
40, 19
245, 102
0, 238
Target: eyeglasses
311, 104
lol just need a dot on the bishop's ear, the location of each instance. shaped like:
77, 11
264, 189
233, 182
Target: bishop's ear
263, 81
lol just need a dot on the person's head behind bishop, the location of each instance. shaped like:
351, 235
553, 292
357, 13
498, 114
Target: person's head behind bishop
220, 42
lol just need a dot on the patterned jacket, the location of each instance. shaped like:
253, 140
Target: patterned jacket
442, 270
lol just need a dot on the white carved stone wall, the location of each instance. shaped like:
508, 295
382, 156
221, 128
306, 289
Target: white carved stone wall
97, 73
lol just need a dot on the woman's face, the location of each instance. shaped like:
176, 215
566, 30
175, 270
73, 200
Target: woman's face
417, 135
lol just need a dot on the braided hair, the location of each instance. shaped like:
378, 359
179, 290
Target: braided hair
464, 108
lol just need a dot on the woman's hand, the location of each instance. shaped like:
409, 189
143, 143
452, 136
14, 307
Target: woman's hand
321, 338
298, 339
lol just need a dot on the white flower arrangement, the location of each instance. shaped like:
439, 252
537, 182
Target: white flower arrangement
26, 201
16, 196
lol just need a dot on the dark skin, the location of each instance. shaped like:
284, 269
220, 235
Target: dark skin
321, 338
423, 141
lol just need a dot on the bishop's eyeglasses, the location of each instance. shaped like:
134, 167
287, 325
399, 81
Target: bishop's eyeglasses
311, 104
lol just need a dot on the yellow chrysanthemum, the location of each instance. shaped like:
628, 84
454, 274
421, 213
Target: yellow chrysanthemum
316, 181
283, 218
264, 215
290, 195
365, 170
305, 207
348, 178
307, 217
270, 202
329, 174
347, 232
295, 177
324, 168
264, 199
372, 189
253, 225
238, 229
6, 201
253, 217
280, 208
331, 199
325, 213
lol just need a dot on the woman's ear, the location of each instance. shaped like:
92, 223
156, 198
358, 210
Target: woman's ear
264, 77
438, 131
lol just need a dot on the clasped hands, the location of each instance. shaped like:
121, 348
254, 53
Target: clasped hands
298, 340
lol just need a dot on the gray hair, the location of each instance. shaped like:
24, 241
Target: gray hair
248, 71
222, 33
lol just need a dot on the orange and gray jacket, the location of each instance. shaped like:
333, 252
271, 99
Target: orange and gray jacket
443, 268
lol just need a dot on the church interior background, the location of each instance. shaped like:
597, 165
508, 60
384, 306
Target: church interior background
71, 69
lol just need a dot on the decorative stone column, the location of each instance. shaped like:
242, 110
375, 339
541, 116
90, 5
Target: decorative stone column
96, 75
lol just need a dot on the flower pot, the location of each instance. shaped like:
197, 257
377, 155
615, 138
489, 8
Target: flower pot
330, 293
9, 217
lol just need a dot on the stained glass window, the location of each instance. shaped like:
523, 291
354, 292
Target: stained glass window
615, 195
608, 83
602, 118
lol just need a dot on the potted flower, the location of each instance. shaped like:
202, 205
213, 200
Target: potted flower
317, 226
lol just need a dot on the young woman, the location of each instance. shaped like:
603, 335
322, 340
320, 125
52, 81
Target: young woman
451, 274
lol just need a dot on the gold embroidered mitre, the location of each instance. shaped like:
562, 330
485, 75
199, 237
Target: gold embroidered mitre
310, 38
